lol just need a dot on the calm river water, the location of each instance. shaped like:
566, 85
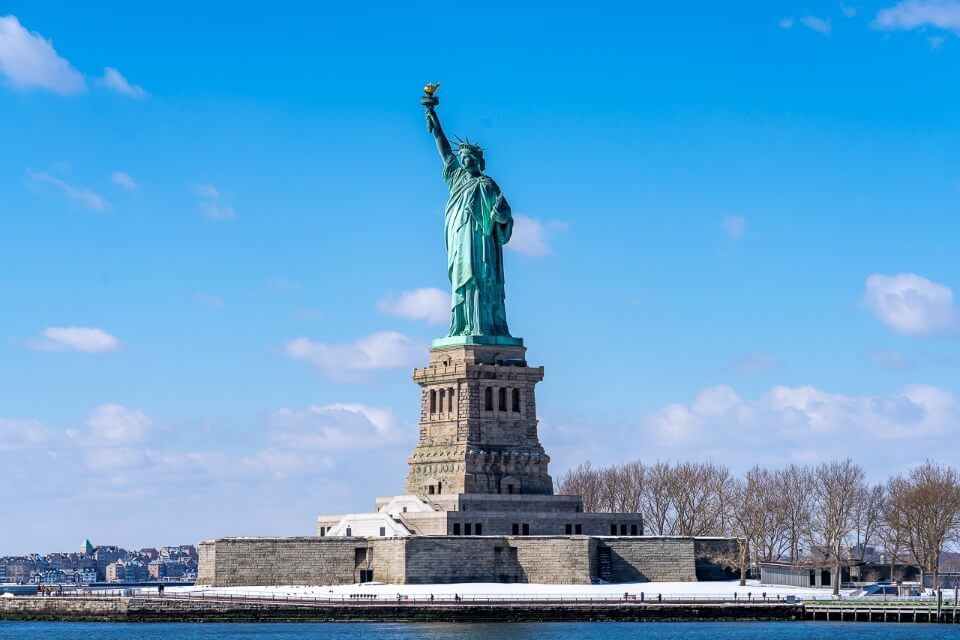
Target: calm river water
542, 631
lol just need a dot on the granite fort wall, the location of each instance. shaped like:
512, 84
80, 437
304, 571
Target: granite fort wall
389, 562
458, 559
652, 559
446, 559
294, 561
556, 560
543, 560
207, 563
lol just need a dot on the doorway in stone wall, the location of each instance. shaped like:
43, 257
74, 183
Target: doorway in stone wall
606, 563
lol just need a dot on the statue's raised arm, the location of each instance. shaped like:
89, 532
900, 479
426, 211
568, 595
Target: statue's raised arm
477, 223
429, 102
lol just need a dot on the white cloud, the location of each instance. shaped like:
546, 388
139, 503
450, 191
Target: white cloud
211, 205
217, 466
428, 304
531, 236
114, 423
734, 226
18, 433
29, 61
936, 42
915, 14
820, 25
786, 23
81, 195
848, 11
124, 180
911, 304
84, 339
115, 458
384, 350
113, 79
111, 473
332, 427
788, 423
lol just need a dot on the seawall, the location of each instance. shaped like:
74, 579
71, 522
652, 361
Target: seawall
137, 609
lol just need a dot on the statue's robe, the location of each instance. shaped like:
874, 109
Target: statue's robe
475, 235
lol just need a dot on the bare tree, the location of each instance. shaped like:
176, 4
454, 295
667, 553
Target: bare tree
925, 505
771, 512
696, 490
615, 489
745, 518
794, 485
657, 502
584, 481
610, 489
770, 539
891, 531
633, 475
837, 488
868, 516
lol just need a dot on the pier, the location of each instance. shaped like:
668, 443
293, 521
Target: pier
880, 611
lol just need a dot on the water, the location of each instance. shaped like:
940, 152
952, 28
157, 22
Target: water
527, 631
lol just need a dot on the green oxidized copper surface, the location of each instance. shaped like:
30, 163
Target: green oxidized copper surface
504, 341
477, 224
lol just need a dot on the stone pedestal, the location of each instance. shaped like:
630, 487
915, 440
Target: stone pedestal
478, 424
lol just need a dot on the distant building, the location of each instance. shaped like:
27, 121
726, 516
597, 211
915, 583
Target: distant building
819, 575
104, 555
115, 572
62, 577
179, 552
127, 571
166, 570
148, 554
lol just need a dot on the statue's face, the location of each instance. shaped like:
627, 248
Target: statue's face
471, 164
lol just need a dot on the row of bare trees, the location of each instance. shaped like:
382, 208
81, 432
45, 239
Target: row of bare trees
828, 514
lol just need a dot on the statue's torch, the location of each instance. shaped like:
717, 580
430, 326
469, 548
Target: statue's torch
429, 101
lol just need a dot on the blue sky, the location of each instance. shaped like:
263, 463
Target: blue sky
221, 244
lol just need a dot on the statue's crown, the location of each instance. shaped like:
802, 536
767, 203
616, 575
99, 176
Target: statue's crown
465, 146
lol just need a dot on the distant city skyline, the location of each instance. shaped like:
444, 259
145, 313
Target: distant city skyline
101, 563
755, 208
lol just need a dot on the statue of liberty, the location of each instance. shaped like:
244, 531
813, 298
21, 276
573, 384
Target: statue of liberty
477, 223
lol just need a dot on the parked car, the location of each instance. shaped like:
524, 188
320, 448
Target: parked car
885, 591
